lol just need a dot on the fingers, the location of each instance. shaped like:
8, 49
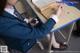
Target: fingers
59, 10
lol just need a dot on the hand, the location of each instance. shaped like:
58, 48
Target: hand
59, 11
33, 21
55, 17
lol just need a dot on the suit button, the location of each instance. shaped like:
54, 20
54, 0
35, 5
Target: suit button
28, 44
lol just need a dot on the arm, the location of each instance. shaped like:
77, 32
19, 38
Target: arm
22, 31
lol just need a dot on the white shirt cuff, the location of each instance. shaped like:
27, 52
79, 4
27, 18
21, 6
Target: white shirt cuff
55, 18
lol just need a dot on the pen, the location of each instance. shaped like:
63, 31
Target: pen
69, 3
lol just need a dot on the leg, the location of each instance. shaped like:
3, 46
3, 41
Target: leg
40, 44
77, 31
55, 44
78, 25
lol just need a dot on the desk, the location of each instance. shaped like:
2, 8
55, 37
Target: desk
64, 21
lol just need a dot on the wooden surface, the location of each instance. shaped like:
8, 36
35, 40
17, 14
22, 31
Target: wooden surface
42, 3
70, 14
47, 9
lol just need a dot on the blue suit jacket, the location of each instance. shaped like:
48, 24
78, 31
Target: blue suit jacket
19, 35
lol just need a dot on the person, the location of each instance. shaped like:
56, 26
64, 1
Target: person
17, 33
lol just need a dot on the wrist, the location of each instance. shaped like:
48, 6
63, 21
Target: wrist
55, 18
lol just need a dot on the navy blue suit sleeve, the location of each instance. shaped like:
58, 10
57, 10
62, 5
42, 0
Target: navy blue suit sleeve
21, 31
